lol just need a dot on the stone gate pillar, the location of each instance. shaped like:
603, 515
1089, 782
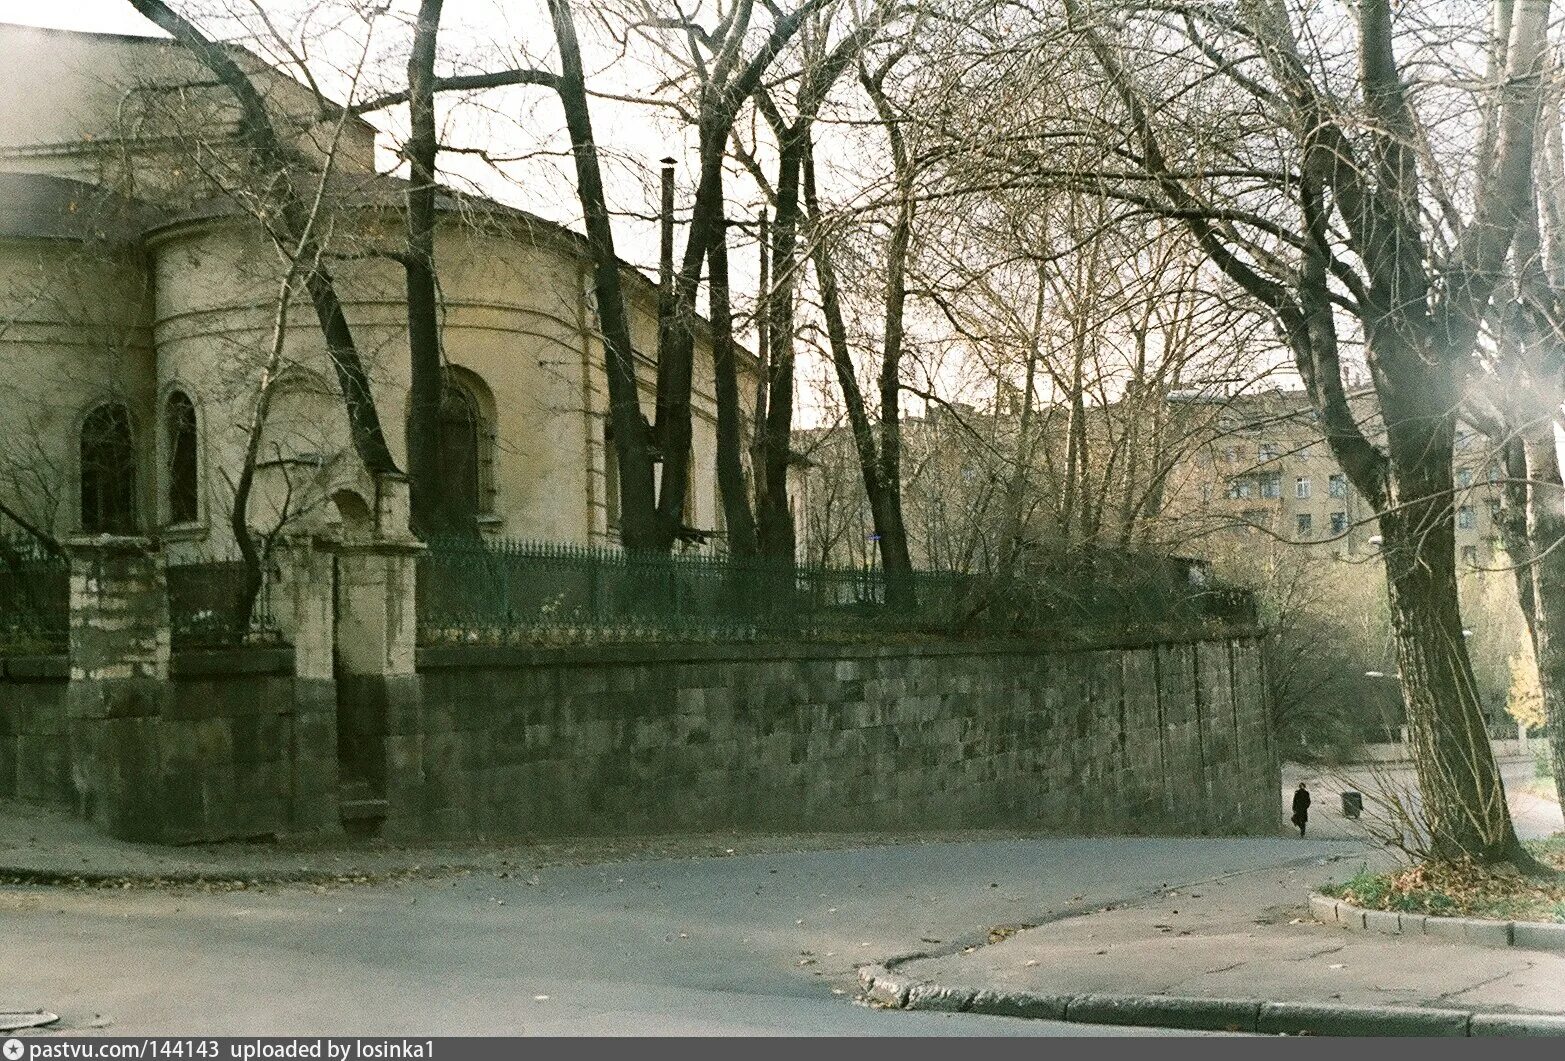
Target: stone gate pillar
119, 657
303, 605
380, 701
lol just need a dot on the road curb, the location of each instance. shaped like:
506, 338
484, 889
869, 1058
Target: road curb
899, 991
33, 876
1478, 931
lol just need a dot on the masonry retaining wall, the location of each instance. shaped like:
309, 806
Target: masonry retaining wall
35, 763
231, 746
1168, 738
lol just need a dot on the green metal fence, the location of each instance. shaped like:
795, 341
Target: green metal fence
34, 598
502, 592
206, 606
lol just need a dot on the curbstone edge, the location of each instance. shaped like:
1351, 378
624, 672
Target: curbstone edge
1323, 908
1538, 935
1479, 931
1517, 1025
1019, 1004
1316, 1018
1165, 1011
940, 999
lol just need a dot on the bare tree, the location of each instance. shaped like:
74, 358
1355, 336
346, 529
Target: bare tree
422, 151
1336, 229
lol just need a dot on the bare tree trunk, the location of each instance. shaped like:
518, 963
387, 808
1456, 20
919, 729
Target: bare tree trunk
632, 436
239, 512
422, 148
1546, 533
730, 437
1458, 778
775, 517
885, 505
764, 355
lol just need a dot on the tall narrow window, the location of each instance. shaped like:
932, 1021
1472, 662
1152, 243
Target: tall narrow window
108, 472
610, 476
461, 434
184, 500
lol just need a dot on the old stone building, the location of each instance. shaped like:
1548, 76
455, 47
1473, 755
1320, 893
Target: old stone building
138, 297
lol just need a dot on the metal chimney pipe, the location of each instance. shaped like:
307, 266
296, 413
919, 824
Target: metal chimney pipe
666, 226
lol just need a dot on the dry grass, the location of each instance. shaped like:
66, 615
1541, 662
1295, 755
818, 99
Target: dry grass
1465, 889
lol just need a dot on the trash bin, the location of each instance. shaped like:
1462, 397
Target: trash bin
1352, 804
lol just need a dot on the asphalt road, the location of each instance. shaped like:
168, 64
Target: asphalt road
1533, 816
750, 944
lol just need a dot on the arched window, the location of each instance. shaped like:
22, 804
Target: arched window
108, 472
466, 485
460, 427
184, 495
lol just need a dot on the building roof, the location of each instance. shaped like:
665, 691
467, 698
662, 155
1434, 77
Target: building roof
38, 206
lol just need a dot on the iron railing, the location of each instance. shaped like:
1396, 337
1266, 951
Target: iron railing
207, 606
35, 598
499, 592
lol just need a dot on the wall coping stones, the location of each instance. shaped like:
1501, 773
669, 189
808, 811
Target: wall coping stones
229, 662
88, 545
1479, 931
893, 989
56, 668
450, 657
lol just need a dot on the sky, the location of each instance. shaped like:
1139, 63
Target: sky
105, 16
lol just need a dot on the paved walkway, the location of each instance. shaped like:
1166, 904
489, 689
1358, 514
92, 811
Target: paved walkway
748, 943
47, 845
1250, 936
1535, 816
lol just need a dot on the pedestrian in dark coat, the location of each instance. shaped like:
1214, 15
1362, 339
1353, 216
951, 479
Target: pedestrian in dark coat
1301, 807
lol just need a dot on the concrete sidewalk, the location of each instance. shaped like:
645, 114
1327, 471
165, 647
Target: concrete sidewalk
46, 845
1244, 937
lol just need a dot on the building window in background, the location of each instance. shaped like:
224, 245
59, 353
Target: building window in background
1271, 485
1464, 477
1466, 518
108, 472
1339, 523
1470, 555
184, 487
1301, 487
1269, 451
1304, 524
1337, 486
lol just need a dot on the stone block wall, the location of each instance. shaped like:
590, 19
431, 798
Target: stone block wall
1170, 738
35, 762
244, 749
230, 746
351, 727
